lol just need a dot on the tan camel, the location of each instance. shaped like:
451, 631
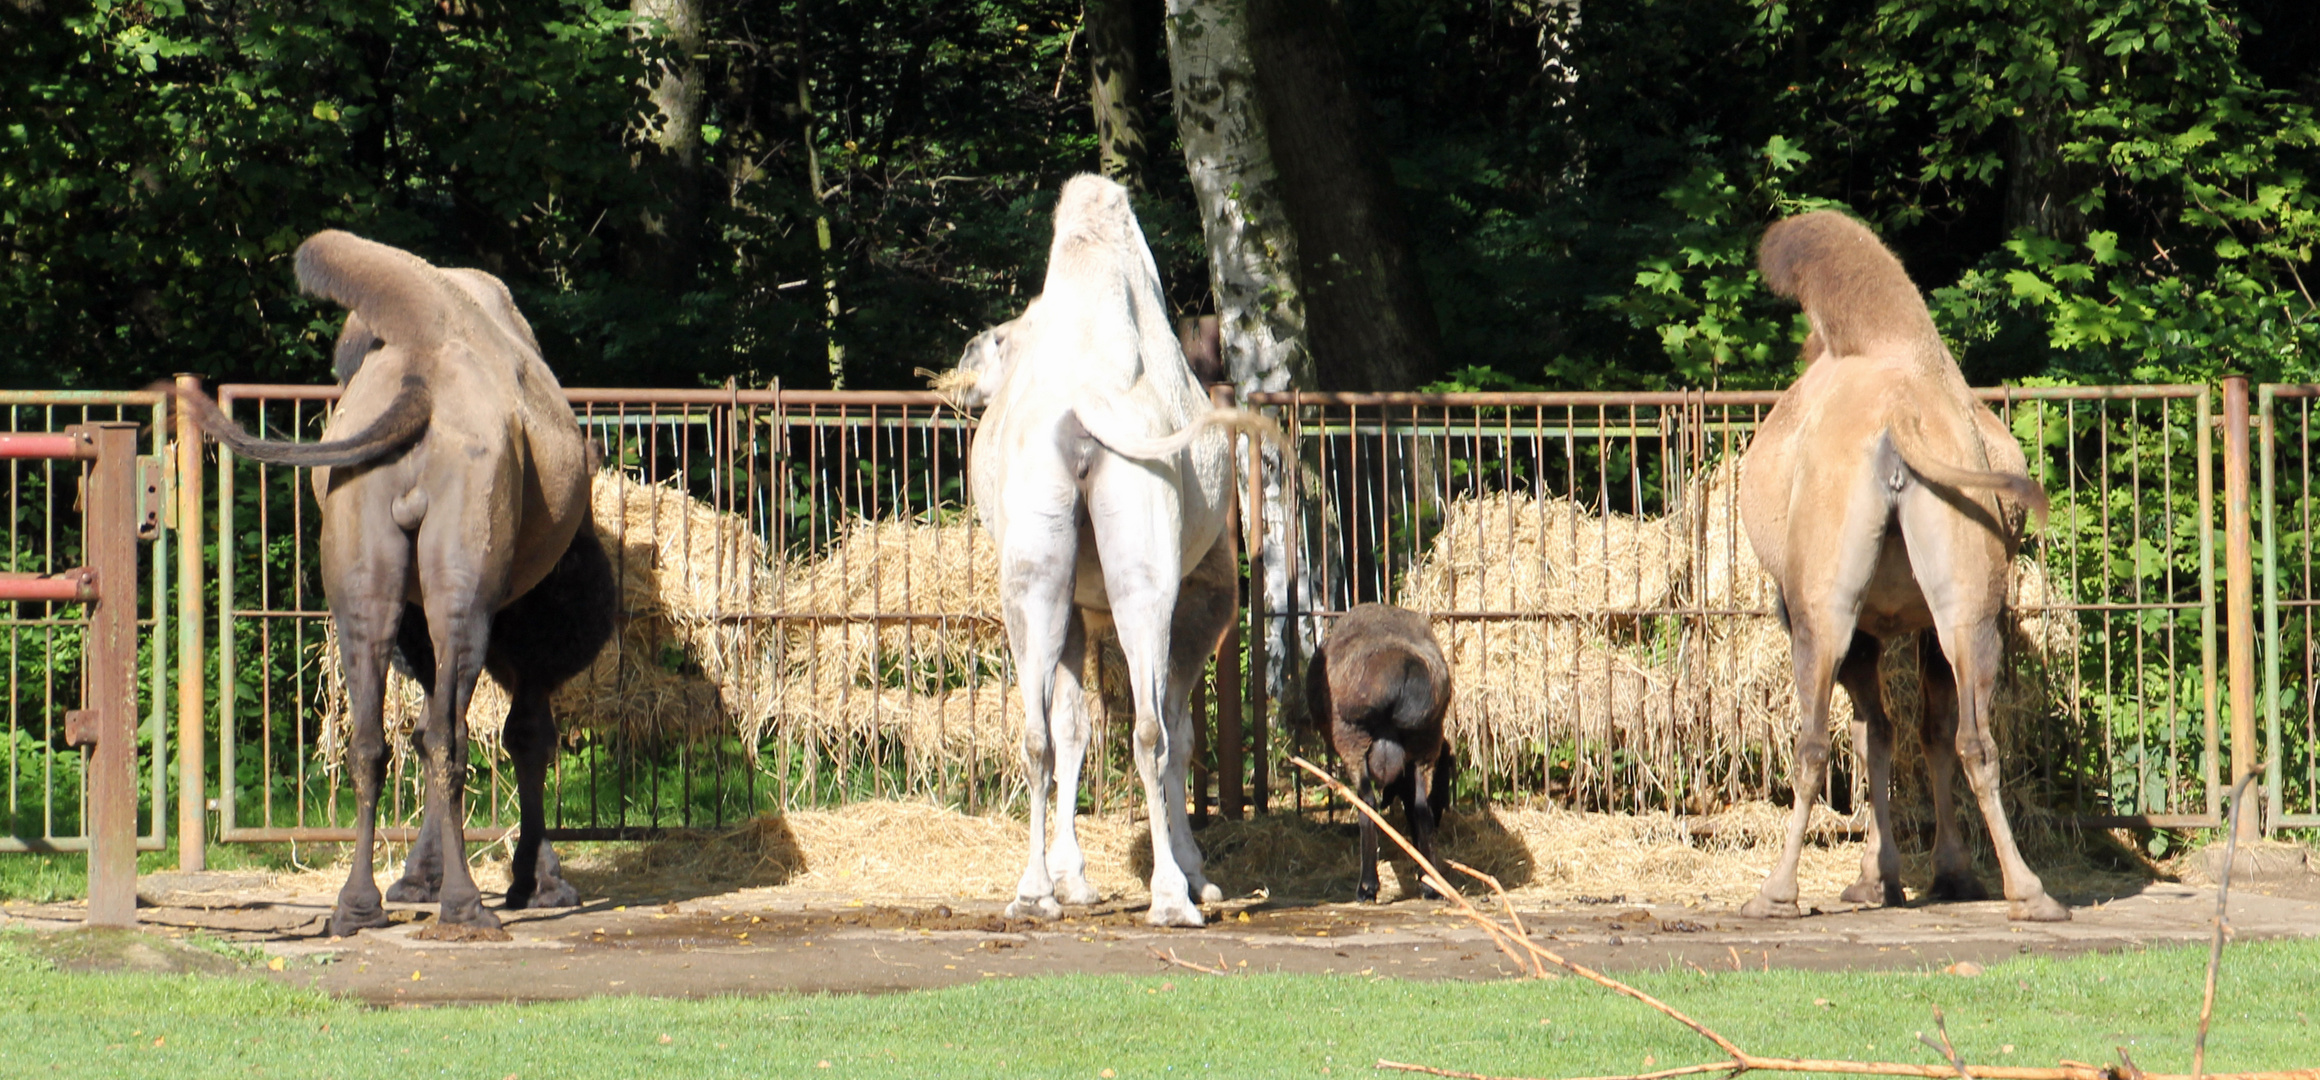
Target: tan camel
463, 485
1884, 498
1103, 475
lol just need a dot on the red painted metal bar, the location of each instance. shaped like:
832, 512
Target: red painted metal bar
45, 446
73, 585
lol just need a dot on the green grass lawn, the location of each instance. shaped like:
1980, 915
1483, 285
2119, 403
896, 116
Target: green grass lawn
187, 1027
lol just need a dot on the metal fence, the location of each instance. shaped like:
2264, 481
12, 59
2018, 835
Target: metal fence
809, 618
2291, 650
811, 615
1614, 643
47, 641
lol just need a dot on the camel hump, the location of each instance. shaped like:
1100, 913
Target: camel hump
1851, 286
400, 297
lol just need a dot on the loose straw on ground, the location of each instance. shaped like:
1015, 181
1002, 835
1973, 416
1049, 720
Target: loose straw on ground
1738, 1061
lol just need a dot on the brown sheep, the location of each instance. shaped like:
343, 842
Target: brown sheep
1378, 688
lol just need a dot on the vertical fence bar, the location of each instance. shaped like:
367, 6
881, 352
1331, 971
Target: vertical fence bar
2271, 707
2239, 590
192, 768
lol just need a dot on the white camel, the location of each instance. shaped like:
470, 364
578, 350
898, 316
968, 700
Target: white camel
1103, 474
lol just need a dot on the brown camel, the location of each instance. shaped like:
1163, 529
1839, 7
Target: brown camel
1884, 498
463, 484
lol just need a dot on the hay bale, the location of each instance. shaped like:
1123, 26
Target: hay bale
1711, 694
1512, 552
680, 667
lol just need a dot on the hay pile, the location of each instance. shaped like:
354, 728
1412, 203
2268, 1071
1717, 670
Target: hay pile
699, 654
937, 685
1703, 688
685, 662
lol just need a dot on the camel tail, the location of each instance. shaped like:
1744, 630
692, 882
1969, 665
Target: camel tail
1909, 441
399, 426
401, 299
1853, 290
1097, 418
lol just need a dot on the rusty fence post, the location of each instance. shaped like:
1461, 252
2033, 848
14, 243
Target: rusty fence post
1227, 742
110, 697
192, 762
2239, 592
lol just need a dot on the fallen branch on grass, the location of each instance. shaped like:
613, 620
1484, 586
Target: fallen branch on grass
1530, 957
1170, 957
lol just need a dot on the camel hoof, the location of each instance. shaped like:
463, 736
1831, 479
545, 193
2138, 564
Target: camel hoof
1958, 887
2039, 908
347, 922
1874, 893
545, 893
1428, 891
1074, 889
1041, 908
411, 891
1763, 907
1206, 892
1177, 913
1366, 892
471, 914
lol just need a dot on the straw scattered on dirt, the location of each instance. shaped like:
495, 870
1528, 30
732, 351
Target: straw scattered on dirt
909, 850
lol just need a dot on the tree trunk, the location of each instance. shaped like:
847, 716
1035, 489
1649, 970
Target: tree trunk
1368, 321
1252, 251
672, 242
1115, 89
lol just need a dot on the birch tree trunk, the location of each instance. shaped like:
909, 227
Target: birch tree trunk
1115, 90
1252, 252
678, 94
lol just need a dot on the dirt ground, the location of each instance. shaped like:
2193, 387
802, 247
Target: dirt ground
649, 931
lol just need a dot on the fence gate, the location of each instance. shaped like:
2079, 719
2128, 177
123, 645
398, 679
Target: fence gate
2291, 641
86, 628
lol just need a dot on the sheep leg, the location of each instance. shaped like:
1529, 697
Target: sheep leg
1422, 819
1366, 887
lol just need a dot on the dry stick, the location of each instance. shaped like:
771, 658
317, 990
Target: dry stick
1171, 957
1944, 1048
1538, 966
2215, 951
1740, 1060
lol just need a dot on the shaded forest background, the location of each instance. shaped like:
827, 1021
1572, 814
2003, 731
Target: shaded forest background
2090, 190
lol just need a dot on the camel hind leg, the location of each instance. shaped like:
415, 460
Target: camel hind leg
1207, 601
1880, 880
1068, 720
355, 564
1976, 652
1036, 575
1953, 872
1962, 568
